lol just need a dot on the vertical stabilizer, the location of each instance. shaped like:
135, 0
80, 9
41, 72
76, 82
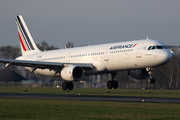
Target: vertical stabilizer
27, 43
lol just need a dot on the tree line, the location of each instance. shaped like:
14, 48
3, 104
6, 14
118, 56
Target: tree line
12, 52
167, 76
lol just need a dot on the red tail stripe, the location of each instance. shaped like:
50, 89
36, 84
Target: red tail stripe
134, 45
24, 48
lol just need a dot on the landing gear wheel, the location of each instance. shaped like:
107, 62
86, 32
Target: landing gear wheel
112, 84
64, 86
70, 85
115, 85
109, 85
152, 80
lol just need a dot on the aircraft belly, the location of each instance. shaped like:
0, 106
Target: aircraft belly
119, 62
127, 61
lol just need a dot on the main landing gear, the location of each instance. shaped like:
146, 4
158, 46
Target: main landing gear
67, 85
113, 84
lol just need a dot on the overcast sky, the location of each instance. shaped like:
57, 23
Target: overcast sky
89, 22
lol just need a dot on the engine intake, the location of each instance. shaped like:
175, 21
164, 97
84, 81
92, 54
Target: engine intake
72, 73
139, 73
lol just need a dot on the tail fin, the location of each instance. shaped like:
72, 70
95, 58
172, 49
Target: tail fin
27, 43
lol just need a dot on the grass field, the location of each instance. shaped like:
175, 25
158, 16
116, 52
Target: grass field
38, 109
30, 109
94, 91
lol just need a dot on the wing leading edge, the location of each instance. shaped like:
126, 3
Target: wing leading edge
56, 66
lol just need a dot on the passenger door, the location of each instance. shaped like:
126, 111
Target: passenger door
106, 55
68, 57
138, 51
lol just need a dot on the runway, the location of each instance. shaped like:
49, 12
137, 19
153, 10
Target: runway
91, 98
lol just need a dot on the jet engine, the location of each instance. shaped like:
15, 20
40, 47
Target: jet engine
139, 73
72, 73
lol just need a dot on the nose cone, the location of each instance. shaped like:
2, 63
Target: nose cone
165, 56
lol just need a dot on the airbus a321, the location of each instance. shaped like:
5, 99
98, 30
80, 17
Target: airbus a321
138, 57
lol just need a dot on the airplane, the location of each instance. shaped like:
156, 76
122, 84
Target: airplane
138, 57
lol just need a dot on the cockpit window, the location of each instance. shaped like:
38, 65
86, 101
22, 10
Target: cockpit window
153, 47
159, 47
165, 47
149, 48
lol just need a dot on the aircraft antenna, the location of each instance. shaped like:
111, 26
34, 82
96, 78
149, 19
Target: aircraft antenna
147, 38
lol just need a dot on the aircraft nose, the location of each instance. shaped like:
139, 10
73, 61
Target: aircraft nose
166, 56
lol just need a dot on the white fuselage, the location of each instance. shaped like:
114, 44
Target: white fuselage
106, 57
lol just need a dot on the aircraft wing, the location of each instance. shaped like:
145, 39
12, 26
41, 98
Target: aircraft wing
43, 65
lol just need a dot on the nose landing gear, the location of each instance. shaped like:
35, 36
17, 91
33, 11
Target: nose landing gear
151, 79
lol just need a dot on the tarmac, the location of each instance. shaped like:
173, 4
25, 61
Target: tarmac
91, 98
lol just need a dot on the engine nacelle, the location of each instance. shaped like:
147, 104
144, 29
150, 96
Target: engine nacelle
139, 73
72, 73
